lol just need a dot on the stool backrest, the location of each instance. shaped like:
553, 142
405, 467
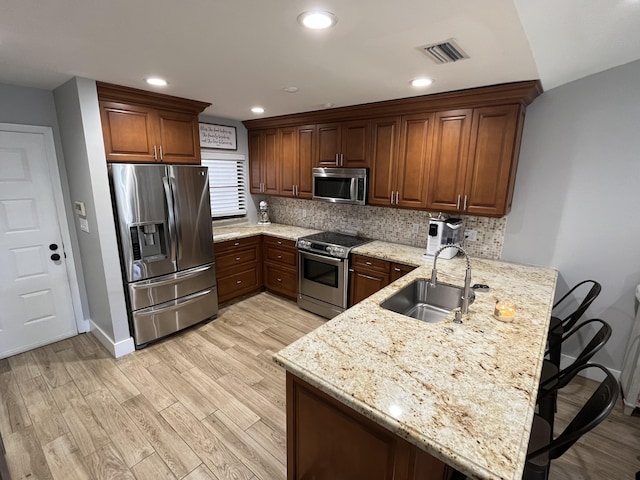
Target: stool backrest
570, 320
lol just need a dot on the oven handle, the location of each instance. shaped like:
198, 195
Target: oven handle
324, 258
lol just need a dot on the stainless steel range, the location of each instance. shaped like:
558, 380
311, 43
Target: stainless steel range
323, 265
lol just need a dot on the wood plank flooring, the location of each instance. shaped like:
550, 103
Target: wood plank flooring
207, 404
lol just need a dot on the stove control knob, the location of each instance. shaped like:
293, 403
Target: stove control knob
304, 244
336, 251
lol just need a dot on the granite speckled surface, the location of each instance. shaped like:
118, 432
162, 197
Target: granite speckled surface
222, 234
463, 393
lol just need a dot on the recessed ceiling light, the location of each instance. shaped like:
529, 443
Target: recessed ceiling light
257, 110
291, 89
421, 82
317, 19
157, 82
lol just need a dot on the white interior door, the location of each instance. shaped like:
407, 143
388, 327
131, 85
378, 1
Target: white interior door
35, 298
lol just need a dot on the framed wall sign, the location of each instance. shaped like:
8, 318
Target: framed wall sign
218, 136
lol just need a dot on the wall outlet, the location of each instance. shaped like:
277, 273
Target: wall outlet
84, 225
471, 235
416, 228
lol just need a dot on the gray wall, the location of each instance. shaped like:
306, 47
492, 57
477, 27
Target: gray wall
81, 132
243, 149
578, 193
32, 106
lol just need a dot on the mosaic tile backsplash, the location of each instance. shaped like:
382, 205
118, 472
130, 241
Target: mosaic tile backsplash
408, 227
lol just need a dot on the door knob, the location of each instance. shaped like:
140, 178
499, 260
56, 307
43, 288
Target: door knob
53, 247
55, 257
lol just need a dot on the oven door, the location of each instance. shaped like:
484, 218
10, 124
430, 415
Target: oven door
323, 278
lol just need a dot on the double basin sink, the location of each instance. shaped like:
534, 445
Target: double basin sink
426, 302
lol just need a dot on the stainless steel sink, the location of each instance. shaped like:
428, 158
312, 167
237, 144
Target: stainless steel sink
423, 301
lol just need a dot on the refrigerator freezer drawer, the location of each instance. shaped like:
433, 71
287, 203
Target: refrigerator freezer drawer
169, 317
146, 293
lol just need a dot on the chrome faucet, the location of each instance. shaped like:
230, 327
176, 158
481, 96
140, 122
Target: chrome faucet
466, 296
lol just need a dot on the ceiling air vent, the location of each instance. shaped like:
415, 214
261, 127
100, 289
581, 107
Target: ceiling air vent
444, 52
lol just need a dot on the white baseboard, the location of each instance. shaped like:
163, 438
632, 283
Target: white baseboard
117, 349
591, 373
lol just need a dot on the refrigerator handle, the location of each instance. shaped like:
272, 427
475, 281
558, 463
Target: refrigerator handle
172, 218
177, 220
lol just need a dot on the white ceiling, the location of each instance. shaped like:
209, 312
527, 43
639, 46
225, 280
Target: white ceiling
240, 53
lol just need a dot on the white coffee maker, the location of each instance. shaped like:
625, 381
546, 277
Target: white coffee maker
444, 231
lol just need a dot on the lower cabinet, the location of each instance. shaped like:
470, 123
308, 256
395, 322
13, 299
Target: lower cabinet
328, 440
238, 267
248, 264
280, 266
368, 275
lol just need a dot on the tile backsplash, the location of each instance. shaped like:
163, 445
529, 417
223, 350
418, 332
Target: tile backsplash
408, 227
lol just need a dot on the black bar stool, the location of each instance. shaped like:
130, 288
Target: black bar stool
559, 326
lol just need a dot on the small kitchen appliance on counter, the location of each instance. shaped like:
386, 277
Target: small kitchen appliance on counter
444, 231
263, 214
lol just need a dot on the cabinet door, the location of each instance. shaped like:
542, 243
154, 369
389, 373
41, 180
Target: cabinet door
281, 280
449, 164
306, 145
365, 283
129, 132
354, 151
178, 137
384, 146
288, 160
416, 140
491, 159
328, 145
270, 163
256, 149
400, 270
327, 440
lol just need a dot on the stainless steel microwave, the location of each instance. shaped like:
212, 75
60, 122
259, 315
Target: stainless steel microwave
341, 185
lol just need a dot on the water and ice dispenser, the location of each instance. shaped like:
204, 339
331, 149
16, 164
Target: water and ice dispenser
148, 241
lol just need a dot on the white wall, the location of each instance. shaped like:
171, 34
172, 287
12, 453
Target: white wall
32, 106
577, 196
81, 132
243, 149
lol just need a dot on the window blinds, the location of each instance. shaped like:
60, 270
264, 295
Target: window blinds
227, 182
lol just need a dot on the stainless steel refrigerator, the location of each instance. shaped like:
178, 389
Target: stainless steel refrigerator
163, 218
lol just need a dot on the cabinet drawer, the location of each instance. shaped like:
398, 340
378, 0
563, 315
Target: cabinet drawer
281, 256
281, 280
400, 270
236, 257
236, 284
235, 244
279, 242
371, 263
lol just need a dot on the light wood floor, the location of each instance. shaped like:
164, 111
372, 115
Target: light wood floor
205, 404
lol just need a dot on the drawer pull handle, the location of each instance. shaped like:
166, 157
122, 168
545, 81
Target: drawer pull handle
397, 269
279, 256
279, 279
279, 242
237, 258
368, 263
238, 282
236, 244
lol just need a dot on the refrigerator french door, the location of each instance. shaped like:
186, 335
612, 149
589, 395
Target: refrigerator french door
163, 218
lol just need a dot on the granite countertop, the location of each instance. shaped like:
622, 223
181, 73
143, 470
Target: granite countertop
233, 232
464, 393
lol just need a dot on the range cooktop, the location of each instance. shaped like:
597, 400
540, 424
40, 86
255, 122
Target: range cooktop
334, 244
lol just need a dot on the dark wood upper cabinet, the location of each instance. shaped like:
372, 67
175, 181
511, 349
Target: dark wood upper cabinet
343, 144
140, 126
449, 165
493, 160
453, 152
264, 164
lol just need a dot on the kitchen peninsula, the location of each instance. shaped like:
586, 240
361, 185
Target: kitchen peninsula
464, 394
